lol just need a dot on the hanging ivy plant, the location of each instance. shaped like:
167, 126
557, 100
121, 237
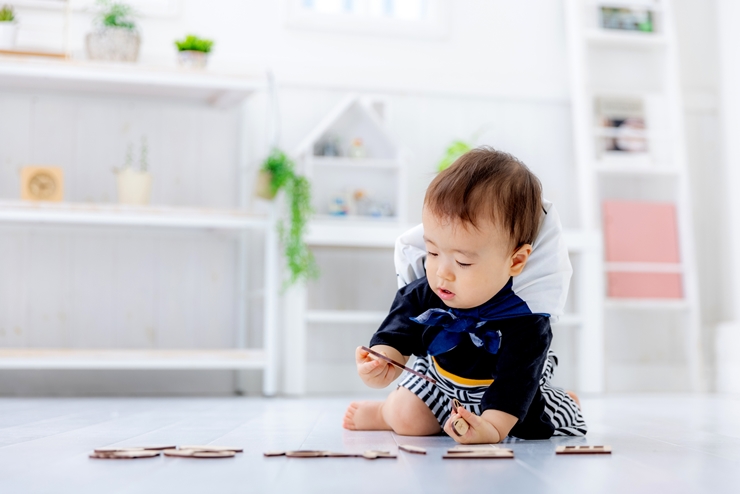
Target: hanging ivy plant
282, 176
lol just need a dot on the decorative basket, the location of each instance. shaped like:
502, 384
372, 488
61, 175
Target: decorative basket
113, 44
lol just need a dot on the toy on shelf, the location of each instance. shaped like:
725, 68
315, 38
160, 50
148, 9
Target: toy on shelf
621, 125
358, 203
339, 205
627, 19
357, 149
42, 183
328, 147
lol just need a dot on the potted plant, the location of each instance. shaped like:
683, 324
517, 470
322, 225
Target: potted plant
135, 186
278, 173
8, 28
453, 151
192, 52
116, 37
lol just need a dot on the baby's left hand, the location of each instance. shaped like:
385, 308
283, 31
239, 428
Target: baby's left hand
480, 431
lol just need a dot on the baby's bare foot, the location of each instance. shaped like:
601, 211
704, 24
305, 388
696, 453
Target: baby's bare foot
575, 398
365, 416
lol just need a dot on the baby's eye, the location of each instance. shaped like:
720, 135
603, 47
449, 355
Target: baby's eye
463, 265
432, 253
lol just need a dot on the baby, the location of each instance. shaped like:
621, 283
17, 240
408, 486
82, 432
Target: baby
468, 329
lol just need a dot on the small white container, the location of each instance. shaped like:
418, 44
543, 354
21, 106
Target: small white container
192, 59
8, 34
134, 187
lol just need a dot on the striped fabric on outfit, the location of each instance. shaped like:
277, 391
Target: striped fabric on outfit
560, 408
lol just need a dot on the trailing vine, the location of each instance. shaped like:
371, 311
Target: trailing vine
299, 259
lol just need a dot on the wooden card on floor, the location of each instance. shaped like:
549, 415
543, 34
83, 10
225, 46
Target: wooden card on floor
480, 453
583, 450
412, 449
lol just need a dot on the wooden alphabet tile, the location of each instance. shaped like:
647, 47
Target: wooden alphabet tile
584, 449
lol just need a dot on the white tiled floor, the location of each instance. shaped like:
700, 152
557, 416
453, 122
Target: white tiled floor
662, 444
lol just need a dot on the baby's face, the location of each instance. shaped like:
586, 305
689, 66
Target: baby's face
466, 266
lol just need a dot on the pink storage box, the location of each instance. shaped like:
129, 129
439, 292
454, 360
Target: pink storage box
642, 232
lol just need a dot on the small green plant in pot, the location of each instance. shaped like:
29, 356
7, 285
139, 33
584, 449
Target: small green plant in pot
192, 51
116, 37
278, 173
8, 28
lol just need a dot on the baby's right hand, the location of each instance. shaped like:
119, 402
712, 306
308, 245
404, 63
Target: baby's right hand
375, 373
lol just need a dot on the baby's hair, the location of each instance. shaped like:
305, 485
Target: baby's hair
488, 184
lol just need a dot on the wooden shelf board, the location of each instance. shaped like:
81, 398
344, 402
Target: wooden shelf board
345, 316
222, 90
29, 358
34, 53
122, 215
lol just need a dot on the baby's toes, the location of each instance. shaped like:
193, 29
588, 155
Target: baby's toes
348, 422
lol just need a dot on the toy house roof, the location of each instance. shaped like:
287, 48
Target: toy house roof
353, 114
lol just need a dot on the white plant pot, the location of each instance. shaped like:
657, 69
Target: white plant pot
8, 34
113, 44
134, 187
192, 59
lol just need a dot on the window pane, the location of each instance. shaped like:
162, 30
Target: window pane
412, 10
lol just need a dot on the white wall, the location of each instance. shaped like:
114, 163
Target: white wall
697, 25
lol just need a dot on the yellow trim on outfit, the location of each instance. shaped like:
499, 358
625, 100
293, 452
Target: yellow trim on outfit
461, 380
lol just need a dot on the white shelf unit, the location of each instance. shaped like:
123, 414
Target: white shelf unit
609, 63
190, 87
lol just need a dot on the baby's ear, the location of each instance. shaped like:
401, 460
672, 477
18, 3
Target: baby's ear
519, 259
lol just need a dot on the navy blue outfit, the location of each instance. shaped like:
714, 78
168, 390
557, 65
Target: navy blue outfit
494, 356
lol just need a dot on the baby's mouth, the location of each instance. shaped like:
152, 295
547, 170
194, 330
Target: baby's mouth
445, 294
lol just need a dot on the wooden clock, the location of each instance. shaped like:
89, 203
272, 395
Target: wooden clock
42, 183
